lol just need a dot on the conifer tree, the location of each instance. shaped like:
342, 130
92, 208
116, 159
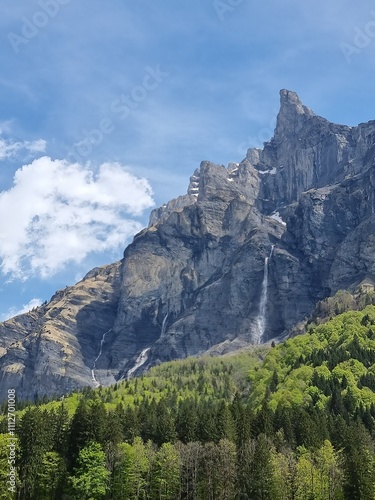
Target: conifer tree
359, 463
50, 477
35, 438
225, 423
262, 484
81, 431
186, 421
165, 427
60, 429
130, 423
5, 492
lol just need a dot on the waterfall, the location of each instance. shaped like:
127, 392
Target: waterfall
141, 360
164, 324
143, 356
97, 384
261, 319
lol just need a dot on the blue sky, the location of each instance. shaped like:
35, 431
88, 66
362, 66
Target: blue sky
106, 109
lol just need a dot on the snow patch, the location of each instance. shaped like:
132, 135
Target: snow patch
273, 171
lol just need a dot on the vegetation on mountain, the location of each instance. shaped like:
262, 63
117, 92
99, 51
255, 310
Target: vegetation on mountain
292, 421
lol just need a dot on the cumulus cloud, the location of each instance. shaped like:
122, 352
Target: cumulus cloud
13, 311
9, 148
58, 212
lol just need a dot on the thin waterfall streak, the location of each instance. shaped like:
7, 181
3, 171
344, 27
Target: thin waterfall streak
143, 356
97, 384
261, 320
164, 324
140, 361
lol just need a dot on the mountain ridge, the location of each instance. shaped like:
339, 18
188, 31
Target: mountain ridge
192, 279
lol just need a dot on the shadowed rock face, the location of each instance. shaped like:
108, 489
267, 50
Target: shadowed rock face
51, 350
191, 282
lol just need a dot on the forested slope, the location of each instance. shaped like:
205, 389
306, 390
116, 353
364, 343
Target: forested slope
293, 421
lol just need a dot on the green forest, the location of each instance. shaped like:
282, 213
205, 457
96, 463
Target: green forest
289, 421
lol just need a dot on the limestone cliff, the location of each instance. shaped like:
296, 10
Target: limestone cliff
51, 350
191, 282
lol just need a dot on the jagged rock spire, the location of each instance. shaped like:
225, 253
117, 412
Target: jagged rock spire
292, 115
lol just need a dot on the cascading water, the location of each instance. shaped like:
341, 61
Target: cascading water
141, 360
97, 384
261, 320
163, 325
143, 356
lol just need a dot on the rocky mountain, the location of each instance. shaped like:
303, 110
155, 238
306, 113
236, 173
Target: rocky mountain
239, 259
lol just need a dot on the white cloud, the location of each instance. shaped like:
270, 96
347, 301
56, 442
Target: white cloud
13, 311
59, 212
9, 149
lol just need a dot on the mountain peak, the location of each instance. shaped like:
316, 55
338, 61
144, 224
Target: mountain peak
292, 114
290, 98
202, 277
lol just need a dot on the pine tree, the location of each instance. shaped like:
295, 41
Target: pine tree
113, 428
130, 423
35, 438
81, 431
359, 463
274, 381
263, 422
50, 477
336, 405
165, 427
225, 424
186, 421
60, 426
147, 419
207, 429
283, 421
5, 492
262, 481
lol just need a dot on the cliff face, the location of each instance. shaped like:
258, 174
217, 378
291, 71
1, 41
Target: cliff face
52, 349
192, 281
